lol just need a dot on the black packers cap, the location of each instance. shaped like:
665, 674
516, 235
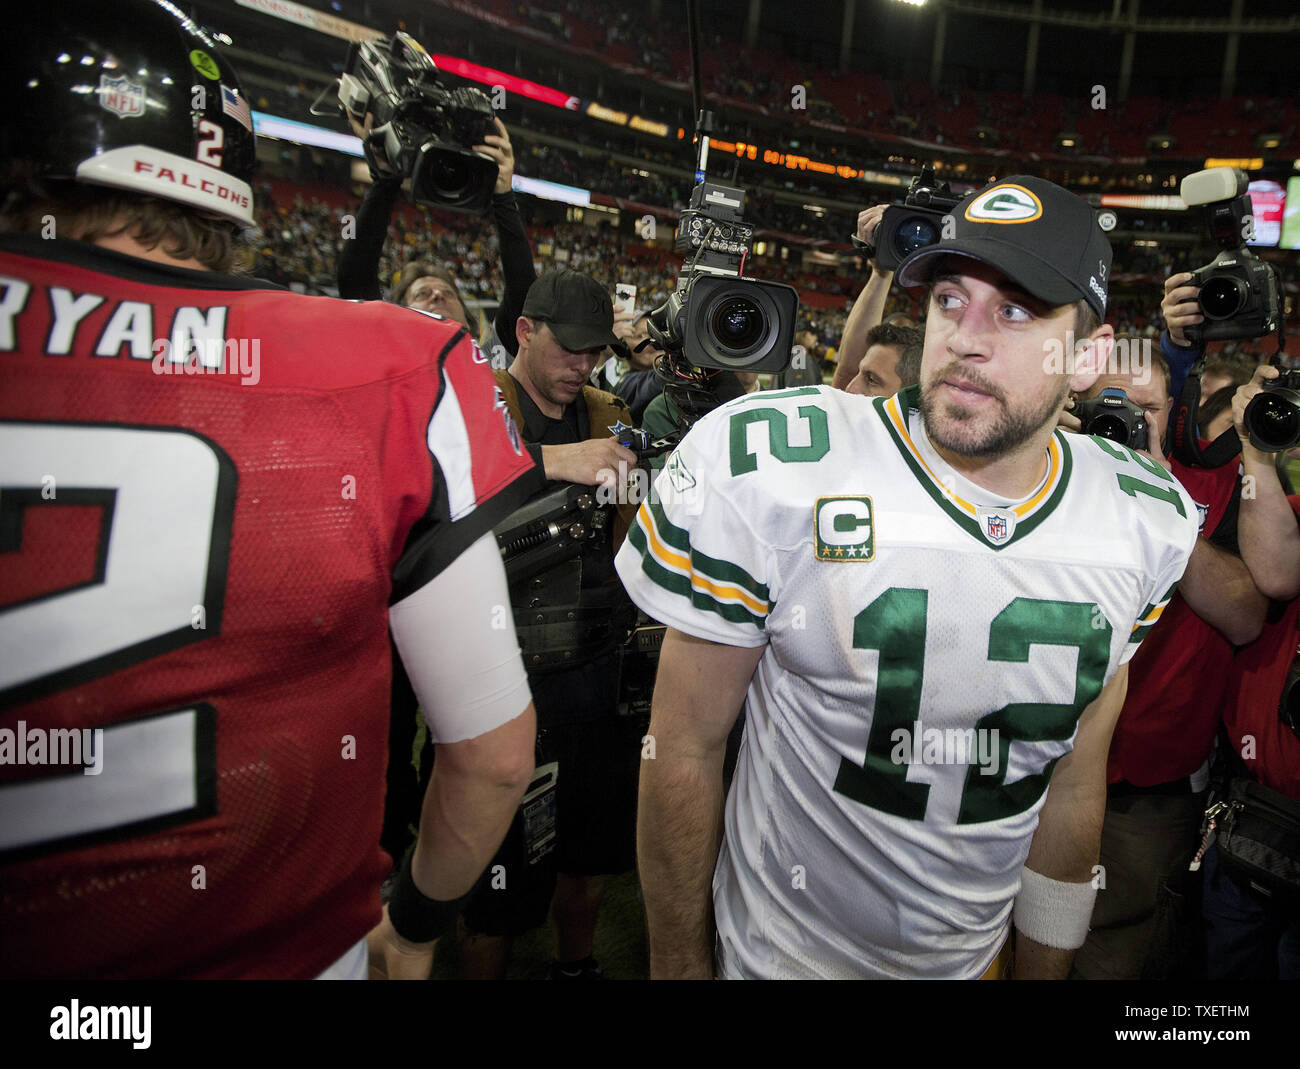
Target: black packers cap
1042, 237
575, 306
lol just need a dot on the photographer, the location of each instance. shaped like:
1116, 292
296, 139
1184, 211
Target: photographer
1158, 764
571, 620
1251, 934
638, 385
359, 258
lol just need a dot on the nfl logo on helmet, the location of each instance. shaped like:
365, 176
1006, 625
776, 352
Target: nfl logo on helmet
123, 97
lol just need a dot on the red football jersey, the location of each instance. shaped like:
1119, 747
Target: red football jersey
1258, 674
1178, 675
212, 491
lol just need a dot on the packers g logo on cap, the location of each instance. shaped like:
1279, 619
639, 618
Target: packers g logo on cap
1005, 204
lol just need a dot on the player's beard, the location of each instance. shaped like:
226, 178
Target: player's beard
958, 430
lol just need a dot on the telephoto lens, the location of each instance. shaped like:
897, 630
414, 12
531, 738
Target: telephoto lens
1273, 416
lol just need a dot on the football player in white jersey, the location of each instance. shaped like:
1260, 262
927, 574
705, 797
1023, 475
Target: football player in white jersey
925, 603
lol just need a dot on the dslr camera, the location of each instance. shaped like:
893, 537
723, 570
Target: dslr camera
1238, 292
916, 221
716, 317
1111, 415
1273, 416
422, 130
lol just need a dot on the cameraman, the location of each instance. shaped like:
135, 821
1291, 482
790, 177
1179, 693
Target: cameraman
1158, 764
1247, 935
571, 621
1181, 310
359, 258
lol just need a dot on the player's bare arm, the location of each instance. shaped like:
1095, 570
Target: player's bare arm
698, 695
1067, 843
474, 696
476, 787
1266, 529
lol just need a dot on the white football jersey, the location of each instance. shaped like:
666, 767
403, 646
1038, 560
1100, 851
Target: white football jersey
929, 650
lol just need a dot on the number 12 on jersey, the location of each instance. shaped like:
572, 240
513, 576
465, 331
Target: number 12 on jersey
894, 625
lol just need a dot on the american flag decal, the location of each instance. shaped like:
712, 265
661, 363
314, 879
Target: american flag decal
236, 107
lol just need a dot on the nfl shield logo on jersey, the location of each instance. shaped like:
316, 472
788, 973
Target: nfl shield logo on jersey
1202, 514
998, 525
123, 97
843, 529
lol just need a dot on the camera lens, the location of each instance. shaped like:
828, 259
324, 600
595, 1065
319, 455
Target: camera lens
1273, 420
449, 177
914, 233
737, 323
1112, 428
1221, 297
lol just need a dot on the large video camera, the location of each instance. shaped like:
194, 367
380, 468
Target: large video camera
1239, 295
716, 317
1111, 415
914, 222
422, 130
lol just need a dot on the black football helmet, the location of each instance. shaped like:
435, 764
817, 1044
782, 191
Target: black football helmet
131, 94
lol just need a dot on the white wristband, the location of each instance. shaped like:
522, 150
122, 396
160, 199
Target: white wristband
1053, 912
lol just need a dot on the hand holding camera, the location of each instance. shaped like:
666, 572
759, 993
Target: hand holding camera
1111, 415
1266, 411
915, 222
1238, 293
864, 236
498, 147
1180, 308
422, 130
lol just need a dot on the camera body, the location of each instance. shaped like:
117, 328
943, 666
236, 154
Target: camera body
731, 322
712, 229
1111, 415
1238, 297
422, 130
716, 317
1272, 418
1239, 294
915, 222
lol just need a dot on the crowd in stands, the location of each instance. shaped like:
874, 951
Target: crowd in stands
760, 80
748, 84
302, 232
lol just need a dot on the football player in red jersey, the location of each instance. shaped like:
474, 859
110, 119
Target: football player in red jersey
216, 498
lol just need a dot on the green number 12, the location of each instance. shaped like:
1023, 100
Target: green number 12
895, 625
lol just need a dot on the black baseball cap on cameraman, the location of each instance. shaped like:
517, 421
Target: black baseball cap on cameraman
575, 306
